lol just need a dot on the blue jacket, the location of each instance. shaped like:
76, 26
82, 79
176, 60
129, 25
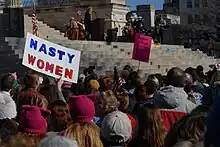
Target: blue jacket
213, 124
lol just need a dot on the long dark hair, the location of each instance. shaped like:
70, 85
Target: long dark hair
189, 128
151, 127
59, 119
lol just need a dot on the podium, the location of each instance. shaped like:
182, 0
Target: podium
98, 29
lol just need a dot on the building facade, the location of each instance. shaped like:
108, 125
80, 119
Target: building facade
113, 11
147, 12
196, 12
171, 6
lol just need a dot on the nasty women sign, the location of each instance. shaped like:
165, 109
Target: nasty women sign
142, 46
51, 59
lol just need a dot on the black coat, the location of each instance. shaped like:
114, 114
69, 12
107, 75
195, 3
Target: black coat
88, 21
8, 129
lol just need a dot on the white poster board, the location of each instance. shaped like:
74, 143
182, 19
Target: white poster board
51, 59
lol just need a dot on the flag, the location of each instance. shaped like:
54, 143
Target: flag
34, 22
121, 81
118, 83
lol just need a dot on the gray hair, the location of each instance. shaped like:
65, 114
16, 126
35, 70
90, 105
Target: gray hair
57, 141
188, 144
215, 79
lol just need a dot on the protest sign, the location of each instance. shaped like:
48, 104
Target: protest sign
51, 59
142, 46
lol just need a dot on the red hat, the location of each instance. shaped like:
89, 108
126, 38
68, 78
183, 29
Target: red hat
82, 108
33, 119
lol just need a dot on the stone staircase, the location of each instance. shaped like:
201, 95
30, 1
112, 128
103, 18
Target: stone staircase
106, 56
56, 16
45, 31
10, 61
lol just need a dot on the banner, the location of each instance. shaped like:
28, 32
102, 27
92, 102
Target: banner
51, 59
28, 3
142, 46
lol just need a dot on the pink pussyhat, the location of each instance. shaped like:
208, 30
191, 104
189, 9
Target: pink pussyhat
33, 119
82, 108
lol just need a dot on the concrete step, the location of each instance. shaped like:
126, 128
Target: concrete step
45, 31
105, 57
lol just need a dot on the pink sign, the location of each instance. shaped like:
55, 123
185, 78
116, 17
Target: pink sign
142, 46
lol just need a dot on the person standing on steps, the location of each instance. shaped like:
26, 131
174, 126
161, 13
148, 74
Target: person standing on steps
88, 23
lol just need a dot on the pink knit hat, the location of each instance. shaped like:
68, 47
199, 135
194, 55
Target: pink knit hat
33, 119
82, 108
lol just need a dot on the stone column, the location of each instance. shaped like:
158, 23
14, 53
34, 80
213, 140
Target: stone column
12, 3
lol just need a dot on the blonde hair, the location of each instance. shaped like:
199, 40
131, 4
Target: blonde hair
123, 98
104, 83
18, 142
90, 10
85, 134
24, 140
108, 101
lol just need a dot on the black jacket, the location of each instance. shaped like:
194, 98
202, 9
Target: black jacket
87, 21
8, 129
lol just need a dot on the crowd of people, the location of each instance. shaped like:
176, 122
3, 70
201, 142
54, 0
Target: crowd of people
180, 109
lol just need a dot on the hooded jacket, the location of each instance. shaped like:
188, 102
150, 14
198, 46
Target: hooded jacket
174, 99
173, 103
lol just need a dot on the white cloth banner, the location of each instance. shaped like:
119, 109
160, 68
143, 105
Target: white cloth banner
51, 59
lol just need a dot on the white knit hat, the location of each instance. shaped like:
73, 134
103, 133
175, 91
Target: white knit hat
116, 124
57, 141
7, 106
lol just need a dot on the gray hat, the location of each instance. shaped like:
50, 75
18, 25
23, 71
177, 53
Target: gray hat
116, 124
57, 141
7, 106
